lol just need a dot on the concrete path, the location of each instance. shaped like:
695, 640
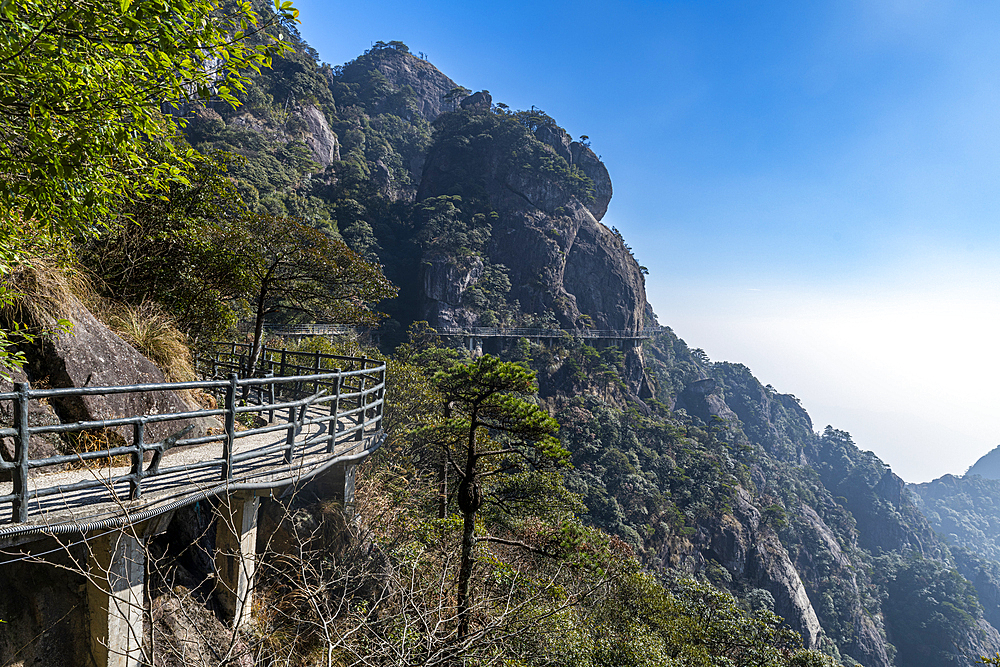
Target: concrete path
265, 467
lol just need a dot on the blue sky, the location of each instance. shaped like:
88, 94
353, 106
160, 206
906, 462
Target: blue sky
813, 186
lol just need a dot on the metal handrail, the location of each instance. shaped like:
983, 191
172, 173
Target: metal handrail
310, 330
523, 332
355, 394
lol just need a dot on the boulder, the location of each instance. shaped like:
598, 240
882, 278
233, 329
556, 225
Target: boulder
91, 355
556, 138
481, 101
40, 413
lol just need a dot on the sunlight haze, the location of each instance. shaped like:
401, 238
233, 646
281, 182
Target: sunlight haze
813, 186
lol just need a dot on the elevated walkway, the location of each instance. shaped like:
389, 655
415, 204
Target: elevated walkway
536, 333
306, 415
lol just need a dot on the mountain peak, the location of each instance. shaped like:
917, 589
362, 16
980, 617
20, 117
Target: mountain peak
401, 69
988, 466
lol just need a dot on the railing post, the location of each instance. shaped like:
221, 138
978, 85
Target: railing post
317, 366
290, 437
228, 443
359, 435
138, 437
20, 508
284, 361
381, 400
335, 411
270, 396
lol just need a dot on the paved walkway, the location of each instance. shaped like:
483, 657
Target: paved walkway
264, 467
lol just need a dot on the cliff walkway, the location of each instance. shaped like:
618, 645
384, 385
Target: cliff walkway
304, 413
302, 330
303, 416
525, 332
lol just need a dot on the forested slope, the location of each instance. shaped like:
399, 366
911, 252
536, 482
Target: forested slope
484, 215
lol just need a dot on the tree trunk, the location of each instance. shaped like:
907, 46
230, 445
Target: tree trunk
258, 335
443, 473
465, 573
443, 485
470, 499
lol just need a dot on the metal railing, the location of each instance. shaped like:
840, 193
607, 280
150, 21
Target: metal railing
311, 330
515, 332
354, 391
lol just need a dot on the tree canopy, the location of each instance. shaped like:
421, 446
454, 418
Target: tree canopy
86, 85
293, 267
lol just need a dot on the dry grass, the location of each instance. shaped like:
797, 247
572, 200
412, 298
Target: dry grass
43, 293
96, 440
149, 329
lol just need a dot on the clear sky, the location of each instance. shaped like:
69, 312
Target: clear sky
812, 185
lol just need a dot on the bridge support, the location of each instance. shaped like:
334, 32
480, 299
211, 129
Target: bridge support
116, 572
337, 484
236, 554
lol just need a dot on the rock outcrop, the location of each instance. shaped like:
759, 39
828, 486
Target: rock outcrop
312, 129
318, 136
987, 466
560, 257
402, 70
546, 229
771, 569
444, 284
701, 398
91, 355
750, 553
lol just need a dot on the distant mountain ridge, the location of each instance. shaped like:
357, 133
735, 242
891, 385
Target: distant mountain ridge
488, 216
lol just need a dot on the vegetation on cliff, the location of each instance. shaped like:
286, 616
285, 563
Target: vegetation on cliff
702, 520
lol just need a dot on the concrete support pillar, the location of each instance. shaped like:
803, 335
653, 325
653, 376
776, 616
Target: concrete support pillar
116, 572
337, 484
235, 554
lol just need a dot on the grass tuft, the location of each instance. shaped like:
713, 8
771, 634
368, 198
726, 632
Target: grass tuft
42, 294
152, 331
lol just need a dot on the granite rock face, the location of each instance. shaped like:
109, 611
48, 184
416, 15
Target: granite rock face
319, 137
559, 256
481, 101
314, 130
401, 70
771, 569
701, 398
91, 355
444, 284
987, 466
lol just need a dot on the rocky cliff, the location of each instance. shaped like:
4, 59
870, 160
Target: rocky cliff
402, 70
546, 229
492, 217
